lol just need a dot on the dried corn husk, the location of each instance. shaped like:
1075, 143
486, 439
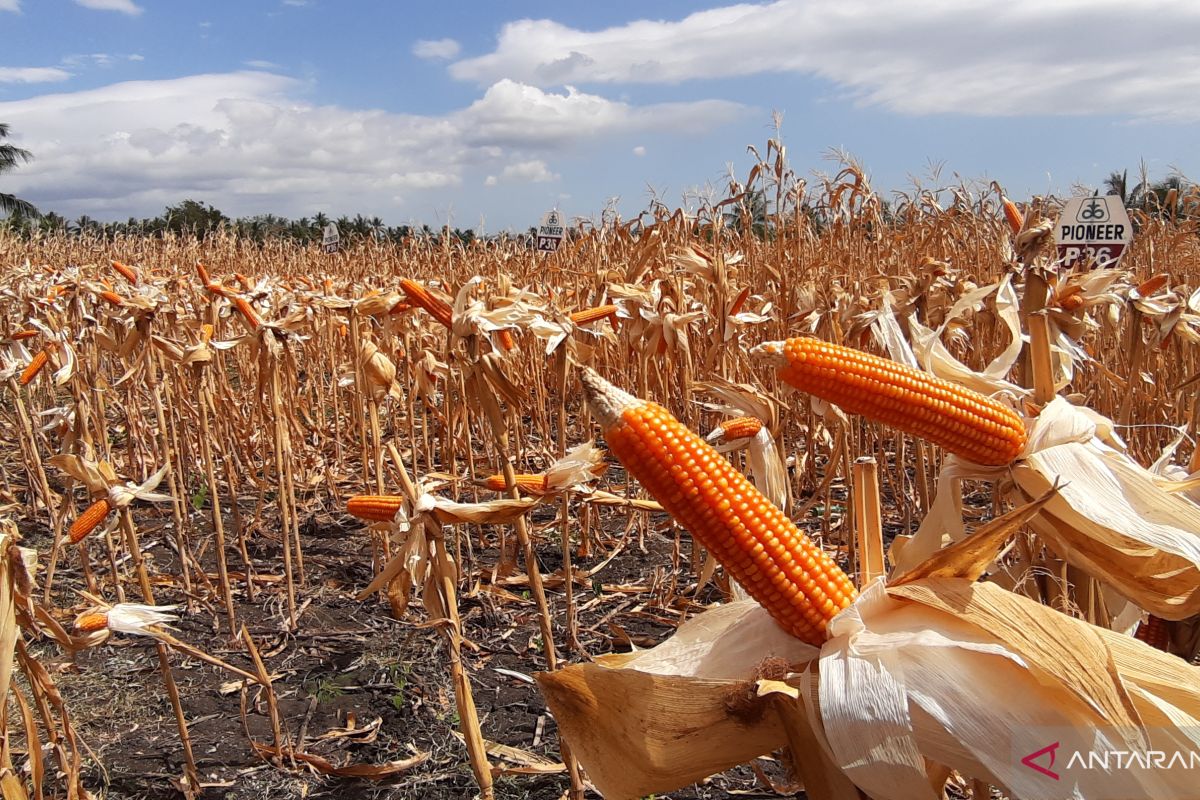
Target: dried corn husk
940, 670
1119, 522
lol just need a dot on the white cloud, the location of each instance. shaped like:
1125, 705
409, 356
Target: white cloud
259, 63
32, 74
534, 171
124, 6
639, 151
10, 5
1065, 57
436, 48
513, 114
248, 143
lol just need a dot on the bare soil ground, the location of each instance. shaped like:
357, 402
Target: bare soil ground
355, 685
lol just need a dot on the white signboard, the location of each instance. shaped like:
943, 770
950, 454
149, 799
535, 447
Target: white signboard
550, 232
332, 239
1093, 231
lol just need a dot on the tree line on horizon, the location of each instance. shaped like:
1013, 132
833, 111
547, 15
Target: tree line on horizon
1166, 196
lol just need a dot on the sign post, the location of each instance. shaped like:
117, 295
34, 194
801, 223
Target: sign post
331, 240
1093, 232
550, 232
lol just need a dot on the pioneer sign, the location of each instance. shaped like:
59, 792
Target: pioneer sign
550, 232
1093, 231
331, 239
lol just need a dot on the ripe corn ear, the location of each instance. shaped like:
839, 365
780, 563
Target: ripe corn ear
420, 296
35, 366
593, 314
524, 481
740, 427
243, 305
375, 507
113, 298
1016, 220
91, 621
125, 271
959, 420
89, 520
1154, 632
778, 565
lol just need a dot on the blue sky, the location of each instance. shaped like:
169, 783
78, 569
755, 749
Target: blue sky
490, 113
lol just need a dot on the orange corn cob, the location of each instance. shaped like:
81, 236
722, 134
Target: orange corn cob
113, 298
91, 621
959, 420
780, 567
741, 428
243, 280
128, 272
202, 271
535, 484
1153, 285
420, 296
505, 338
1016, 220
592, 314
736, 308
87, 522
35, 366
248, 312
400, 308
1154, 632
25, 334
375, 507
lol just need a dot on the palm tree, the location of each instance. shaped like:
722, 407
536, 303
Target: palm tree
10, 156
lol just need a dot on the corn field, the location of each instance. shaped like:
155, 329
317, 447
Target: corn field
390, 521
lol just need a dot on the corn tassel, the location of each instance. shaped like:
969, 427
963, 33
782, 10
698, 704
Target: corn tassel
959, 420
420, 296
125, 271
593, 314
375, 507
89, 520
777, 564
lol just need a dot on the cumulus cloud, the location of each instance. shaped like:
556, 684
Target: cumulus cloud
515, 114
1066, 57
436, 49
247, 142
534, 171
123, 6
32, 74
10, 5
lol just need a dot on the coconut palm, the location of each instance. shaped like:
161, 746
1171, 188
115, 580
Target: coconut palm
10, 157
